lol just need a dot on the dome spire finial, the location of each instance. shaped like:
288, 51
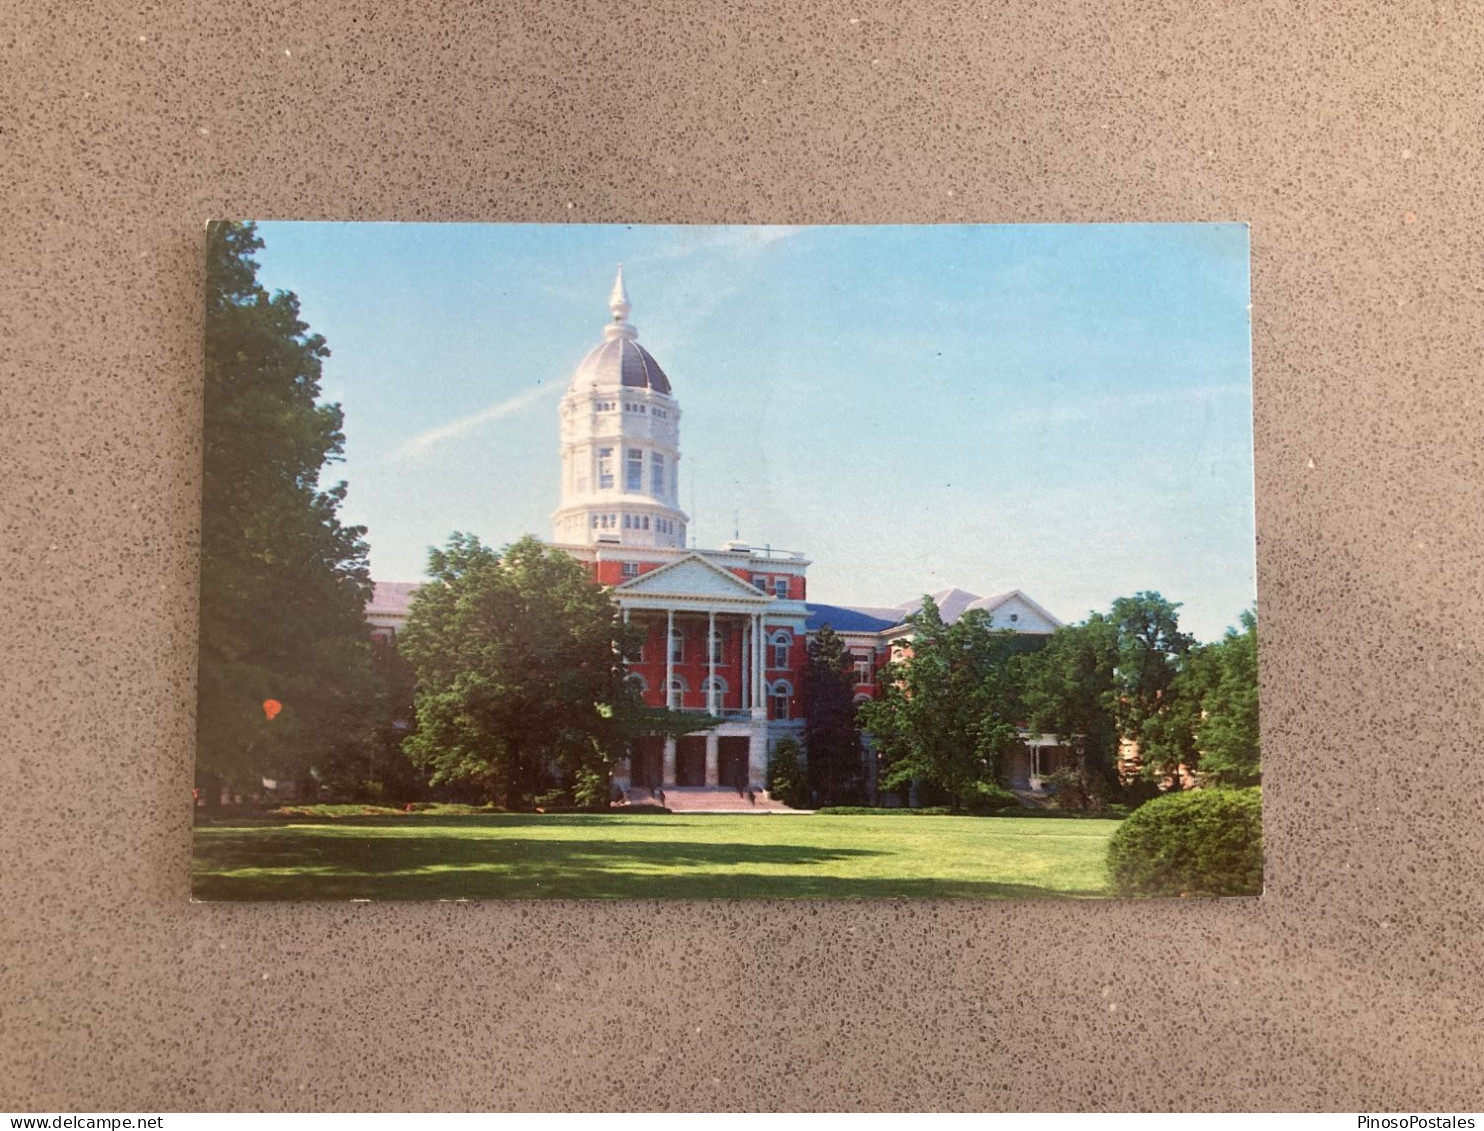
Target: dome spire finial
618, 303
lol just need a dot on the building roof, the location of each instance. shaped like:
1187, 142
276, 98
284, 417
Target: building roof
391, 598
844, 618
952, 604
620, 362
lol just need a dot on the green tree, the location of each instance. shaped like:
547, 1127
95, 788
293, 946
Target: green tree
946, 716
830, 733
786, 780
1226, 729
1152, 652
520, 674
1069, 691
284, 584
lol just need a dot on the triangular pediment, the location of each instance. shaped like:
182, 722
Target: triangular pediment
693, 576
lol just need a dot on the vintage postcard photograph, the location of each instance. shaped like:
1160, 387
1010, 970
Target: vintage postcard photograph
689, 562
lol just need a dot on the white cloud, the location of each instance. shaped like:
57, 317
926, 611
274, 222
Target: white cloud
424, 442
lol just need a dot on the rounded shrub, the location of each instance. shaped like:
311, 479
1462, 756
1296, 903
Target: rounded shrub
1200, 842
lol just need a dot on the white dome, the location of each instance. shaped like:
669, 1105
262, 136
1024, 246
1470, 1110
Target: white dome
620, 362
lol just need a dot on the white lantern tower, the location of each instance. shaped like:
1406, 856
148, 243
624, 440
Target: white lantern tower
620, 431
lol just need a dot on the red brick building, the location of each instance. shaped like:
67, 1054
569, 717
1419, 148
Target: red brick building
726, 629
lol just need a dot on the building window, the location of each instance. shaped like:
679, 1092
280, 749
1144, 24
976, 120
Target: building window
634, 473
1014, 617
605, 469
639, 682
677, 692
780, 586
760, 583
719, 686
862, 663
677, 646
778, 699
781, 641
656, 473
646, 522
716, 643
631, 569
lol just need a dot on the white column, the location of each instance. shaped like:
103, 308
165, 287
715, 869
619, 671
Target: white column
669, 657
759, 690
713, 759
711, 665
745, 665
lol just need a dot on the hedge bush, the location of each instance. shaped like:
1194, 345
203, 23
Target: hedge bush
1200, 842
988, 797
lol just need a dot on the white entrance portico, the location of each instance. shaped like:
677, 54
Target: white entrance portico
711, 628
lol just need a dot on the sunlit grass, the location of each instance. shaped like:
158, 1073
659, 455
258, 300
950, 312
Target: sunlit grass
594, 856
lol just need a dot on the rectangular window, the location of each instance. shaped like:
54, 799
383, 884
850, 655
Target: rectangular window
780, 586
716, 639
646, 522
657, 473
862, 662
631, 569
605, 469
760, 582
634, 477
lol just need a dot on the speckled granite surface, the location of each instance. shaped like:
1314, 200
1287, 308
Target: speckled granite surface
1348, 134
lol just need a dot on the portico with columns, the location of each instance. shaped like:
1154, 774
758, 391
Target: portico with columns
712, 647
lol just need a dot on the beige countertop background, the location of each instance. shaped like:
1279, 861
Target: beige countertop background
1349, 135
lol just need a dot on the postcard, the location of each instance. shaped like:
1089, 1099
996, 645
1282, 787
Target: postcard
713, 562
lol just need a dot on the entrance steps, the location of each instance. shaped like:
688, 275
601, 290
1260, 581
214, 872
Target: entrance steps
709, 799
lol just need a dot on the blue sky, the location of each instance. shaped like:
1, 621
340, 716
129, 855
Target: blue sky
1065, 409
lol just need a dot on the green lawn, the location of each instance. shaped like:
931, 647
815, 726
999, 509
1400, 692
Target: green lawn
594, 856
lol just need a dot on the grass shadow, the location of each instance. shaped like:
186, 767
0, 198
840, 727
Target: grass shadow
425, 858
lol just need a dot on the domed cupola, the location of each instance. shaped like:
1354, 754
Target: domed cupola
620, 444
620, 360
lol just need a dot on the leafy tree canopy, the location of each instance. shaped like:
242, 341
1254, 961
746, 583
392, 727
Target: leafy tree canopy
1069, 688
830, 733
947, 713
519, 662
284, 584
1226, 728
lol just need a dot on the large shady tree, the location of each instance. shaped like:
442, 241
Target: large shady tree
284, 583
518, 656
946, 715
